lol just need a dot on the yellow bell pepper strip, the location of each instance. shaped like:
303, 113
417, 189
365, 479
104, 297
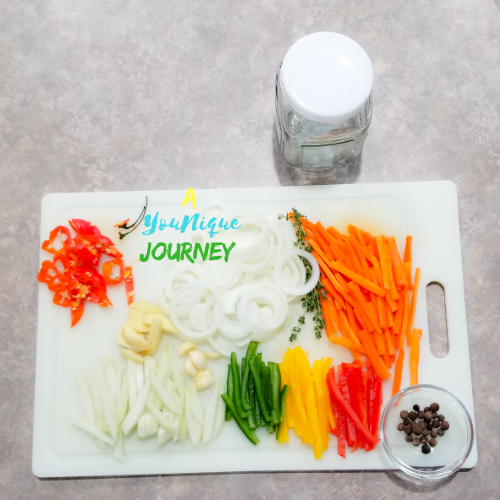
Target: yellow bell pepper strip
322, 401
312, 415
300, 416
282, 435
330, 415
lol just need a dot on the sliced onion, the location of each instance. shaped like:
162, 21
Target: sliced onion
217, 347
251, 218
223, 274
302, 289
190, 333
271, 252
233, 330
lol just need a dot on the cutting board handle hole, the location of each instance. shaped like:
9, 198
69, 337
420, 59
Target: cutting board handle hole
436, 316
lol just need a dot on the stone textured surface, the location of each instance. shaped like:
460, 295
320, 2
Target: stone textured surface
129, 94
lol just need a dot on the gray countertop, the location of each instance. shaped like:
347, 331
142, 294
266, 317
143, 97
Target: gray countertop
150, 94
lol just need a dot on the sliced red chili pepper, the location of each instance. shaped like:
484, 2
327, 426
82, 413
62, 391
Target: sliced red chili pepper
62, 263
129, 284
107, 269
104, 244
86, 251
77, 307
122, 223
89, 276
59, 231
98, 296
62, 298
47, 272
81, 226
58, 283
77, 290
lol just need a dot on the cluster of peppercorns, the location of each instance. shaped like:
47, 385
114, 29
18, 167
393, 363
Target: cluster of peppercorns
422, 427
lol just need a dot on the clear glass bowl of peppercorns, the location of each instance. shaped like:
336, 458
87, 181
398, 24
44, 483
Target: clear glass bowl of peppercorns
426, 431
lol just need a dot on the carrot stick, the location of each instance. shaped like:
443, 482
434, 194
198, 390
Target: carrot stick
317, 235
378, 340
414, 355
414, 298
392, 284
331, 312
337, 252
391, 304
334, 232
398, 372
406, 311
352, 320
369, 239
326, 235
407, 259
332, 279
327, 285
378, 271
345, 342
352, 255
390, 343
378, 365
347, 328
397, 265
366, 309
386, 357
380, 240
382, 314
357, 278
342, 281
373, 306
390, 321
398, 318
401, 341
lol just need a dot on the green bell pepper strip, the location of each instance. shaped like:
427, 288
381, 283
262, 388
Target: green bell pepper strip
283, 395
229, 391
251, 350
249, 433
235, 369
275, 393
259, 388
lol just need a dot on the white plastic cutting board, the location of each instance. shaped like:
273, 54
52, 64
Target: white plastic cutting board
426, 210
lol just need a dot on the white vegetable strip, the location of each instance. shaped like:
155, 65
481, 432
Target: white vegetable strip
163, 394
208, 425
132, 381
193, 426
85, 399
160, 418
84, 424
136, 411
110, 371
196, 407
139, 374
122, 401
108, 405
100, 421
216, 346
221, 410
163, 436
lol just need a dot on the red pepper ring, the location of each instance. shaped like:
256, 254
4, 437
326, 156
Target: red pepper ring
107, 269
58, 283
77, 307
62, 298
47, 272
64, 261
48, 245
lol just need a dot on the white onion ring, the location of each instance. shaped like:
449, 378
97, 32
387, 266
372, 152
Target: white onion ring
306, 287
269, 256
193, 334
216, 346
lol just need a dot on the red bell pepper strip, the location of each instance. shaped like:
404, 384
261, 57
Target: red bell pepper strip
77, 307
129, 284
355, 391
104, 244
377, 403
342, 402
81, 226
340, 422
98, 296
87, 252
351, 435
59, 231
107, 269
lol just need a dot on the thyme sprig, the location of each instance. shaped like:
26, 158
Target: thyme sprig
310, 302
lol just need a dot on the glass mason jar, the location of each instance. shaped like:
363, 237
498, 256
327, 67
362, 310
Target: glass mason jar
323, 102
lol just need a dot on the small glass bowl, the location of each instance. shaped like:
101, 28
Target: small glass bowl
452, 449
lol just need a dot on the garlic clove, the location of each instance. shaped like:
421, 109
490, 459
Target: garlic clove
185, 348
202, 374
213, 355
190, 369
198, 359
205, 381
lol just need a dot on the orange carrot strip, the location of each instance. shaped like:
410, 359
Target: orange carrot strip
415, 355
352, 320
391, 304
382, 313
328, 322
414, 298
337, 252
373, 306
362, 321
392, 284
359, 252
378, 340
378, 271
345, 342
380, 241
393, 358
398, 372
369, 239
360, 299
407, 254
406, 312
378, 365
317, 236
390, 343
390, 321
397, 265
352, 255
398, 318
348, 330
333, 232
327, 285
346, 336
386, 358
401, 341
356, 278
332, 278
326, 235
342, 281
331, 312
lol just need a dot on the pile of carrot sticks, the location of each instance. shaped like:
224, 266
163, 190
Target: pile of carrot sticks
370, 297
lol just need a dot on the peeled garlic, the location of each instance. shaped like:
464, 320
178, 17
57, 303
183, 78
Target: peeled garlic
202, 374
206, 379
145, 307
132, 355
198, 359
185, 347
190, 369
213, 355
135, 340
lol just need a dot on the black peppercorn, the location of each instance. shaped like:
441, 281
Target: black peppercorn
422, 424
416, 407
417, 430
424, 440
429, 427
403, 414
426, 409
426, 449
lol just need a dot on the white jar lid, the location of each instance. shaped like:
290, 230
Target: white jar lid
326, 77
